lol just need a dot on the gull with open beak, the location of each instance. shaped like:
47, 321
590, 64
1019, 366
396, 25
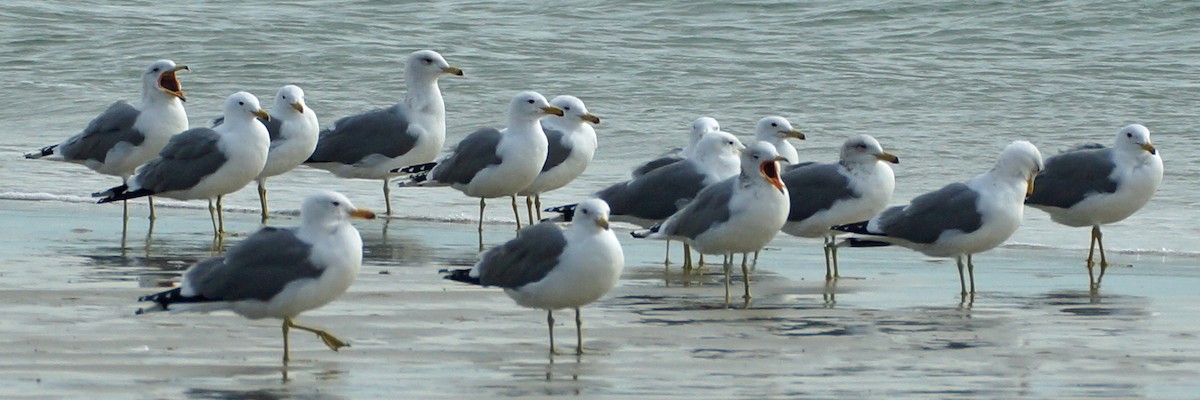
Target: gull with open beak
491, 163
205, 163
739, 215
1095, 185
278, 272
126, 136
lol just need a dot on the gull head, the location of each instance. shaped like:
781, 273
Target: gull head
288, 99
775, 128
1021, 160
865, 149
764, 158
704, 125
574, 110
326, 207
244, 104
161, 77
1135, 137
428, 65
526, 106
718, 144
592, 212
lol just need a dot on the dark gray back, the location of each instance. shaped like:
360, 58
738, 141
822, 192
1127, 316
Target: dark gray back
474, 153
708, 208
383, 131
187, 158
954, 207
258, 268
558, 149
815, 187
114, 125
524, 260
655, 195
1070, 177
655, 164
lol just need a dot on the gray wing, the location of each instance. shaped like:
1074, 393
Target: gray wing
474, 153
187, 158
1073, 176
953, 207
257, 268
709, 208
654, 164
657, 194
558, 149
384, 131
524, 260
114, 125
815, 187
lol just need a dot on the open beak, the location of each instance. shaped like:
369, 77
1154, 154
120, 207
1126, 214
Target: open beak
169, 83
362, 213
589, 117
770, 171
794, 133
602, 222
261, 114
453, 71
1150, 148
298, 106
553, 110
889, 157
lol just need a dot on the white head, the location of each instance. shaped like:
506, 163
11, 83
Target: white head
718, 144
1020, 160
776, 129
1135, 139
701, 126
428, 65
325, 207
574, 112
864, 149
762, 159
592, 213
242, 106
289, 100
530, 106
160, 78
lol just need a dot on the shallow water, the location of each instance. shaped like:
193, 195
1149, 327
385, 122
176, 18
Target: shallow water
944, 85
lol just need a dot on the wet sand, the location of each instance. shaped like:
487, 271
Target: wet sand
894, 326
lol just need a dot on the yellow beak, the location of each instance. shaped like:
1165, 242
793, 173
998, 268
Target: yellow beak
1029, 187
261, 114
1150, 148
553, 110
602, 222
889, 157
362, 213
794, 133
589, 117
453, 71
299, 106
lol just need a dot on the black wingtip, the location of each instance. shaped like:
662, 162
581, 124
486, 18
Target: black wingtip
642, 234
415, 169
567, 211
856, 242
45, 151
857, 227
120, 193
460, 275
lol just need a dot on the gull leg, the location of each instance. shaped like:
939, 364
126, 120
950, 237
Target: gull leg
578, 332
262, 198
828, 264
1103, 261
286, 354
331, 341
687, 257
481, 205
516, 213
151, 200
550, 323
212, 215
387, 196
746, 279
971, 271
961, 283
667, 260
125, 210
1091, 253
537, 201
728, 265
833, 251
529, 208
701, 260
220, 216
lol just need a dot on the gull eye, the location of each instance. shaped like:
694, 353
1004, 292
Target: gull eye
773, 125
531, 101
1129, 135
585, 211
241, 103
155, 69
337, 204
567, 108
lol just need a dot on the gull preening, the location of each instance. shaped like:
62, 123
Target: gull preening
960, 219
550, 268
738, 215
372, 144
491, 163
1097, 185
853, 189
205, 163
571, 142
125, 136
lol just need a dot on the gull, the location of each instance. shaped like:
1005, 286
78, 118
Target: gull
372, 144
205, 163
1097, 185
551, 268
125, 136
278, 272
571, 144
700, 127
776, 130
738, 215
492, 163
853, 189
960, 219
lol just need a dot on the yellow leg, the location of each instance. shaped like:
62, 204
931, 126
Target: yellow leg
971, 271
537, 201
481, 206
828, 248
262, 198
667, 258
1103, 261
387, 196
516, 213
746, 278
220, 216
687, 256
212, 215
529, 208
286, 351
578, 332
151, 200
330, 341
961, 282
727, 265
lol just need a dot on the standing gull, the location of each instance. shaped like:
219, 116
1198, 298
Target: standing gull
492, 163
1096, 185
571, 143
278, 272
776, 131
855, 188
372, 144
700, 126
125, 136
738, 215
293, 129
960, 219
205, 163
551, 268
